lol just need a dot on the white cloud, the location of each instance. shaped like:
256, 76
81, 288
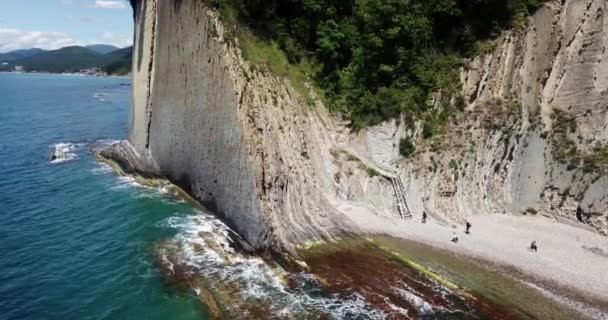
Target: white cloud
118, 40
14, 39
88, 20
110, 4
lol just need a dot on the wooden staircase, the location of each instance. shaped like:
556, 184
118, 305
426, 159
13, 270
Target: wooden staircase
404, 210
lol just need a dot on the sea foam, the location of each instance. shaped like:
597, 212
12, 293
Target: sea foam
62, 152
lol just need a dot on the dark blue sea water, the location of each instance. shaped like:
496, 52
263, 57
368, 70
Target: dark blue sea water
76, 242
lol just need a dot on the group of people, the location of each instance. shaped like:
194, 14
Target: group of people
467, 230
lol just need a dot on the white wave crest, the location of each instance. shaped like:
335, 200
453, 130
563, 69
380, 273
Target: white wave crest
421, 305
204, 245
99, 96
62, 152
101, 169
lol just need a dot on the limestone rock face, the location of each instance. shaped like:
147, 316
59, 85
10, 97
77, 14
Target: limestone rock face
237, 139
502, 153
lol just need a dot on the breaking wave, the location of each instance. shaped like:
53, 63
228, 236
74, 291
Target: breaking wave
67, 151
99, 96
62, 152
203, 250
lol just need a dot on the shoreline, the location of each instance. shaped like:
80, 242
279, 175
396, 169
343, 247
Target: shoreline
67, 74
565, 266
590, 306
499, 244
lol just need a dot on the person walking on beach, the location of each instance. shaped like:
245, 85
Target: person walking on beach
423, 216
468, 227
533, 246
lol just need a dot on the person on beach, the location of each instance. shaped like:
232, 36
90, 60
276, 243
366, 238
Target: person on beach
533, 246
468, 227
455, 238
423, 216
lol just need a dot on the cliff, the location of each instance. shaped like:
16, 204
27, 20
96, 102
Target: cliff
532, 137
281, 172
239, 140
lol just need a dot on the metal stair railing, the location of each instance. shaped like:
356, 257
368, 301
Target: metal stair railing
402, 206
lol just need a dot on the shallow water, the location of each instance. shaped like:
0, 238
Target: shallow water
490, 282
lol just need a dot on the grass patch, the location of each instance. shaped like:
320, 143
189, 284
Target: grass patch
566, 151
267, 55
335, 153
371, 172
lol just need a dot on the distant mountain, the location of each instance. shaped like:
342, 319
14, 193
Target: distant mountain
18, 54
72, 59
102, 48
69, 59
119, 61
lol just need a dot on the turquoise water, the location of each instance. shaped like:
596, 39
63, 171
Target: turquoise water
76, 242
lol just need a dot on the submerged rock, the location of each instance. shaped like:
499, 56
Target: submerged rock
61, 152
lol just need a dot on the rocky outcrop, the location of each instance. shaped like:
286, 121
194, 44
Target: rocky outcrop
281, 172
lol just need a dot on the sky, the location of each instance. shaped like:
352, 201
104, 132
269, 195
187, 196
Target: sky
52, 24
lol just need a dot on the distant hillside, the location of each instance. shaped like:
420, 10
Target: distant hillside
19, 54
119, 61
70, 59
102, 48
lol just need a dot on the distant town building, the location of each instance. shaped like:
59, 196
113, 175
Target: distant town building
19, 68
97, 72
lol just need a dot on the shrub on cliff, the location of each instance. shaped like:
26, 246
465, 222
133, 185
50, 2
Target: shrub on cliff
406, 147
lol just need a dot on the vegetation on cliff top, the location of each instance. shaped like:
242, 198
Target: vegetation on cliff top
377, 59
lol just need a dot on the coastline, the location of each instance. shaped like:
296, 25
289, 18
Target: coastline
68, 74
435, 236
569, 265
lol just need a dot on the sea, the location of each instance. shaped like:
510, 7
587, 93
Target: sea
76, 241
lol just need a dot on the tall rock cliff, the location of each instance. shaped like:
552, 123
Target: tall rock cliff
236, 138
281, 172
533, 136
